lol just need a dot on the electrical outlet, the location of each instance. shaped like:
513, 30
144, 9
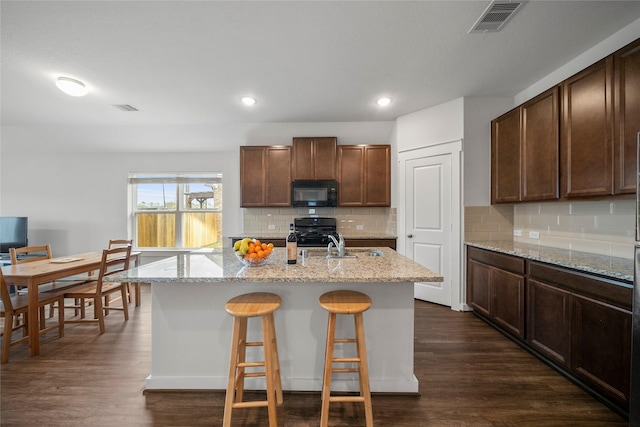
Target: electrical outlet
359, 227
534, 235
272, 227
517, 233
312, 211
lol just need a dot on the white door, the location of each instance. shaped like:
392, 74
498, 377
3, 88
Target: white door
431, 220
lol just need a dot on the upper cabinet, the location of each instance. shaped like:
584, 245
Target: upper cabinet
314, 158
626, 66
524, 151
364, 175
576, 140
265, 176
587, 132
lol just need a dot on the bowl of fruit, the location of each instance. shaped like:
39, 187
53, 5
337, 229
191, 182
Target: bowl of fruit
252, 252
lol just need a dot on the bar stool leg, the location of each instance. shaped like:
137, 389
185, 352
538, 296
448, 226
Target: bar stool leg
231, 385
276, 360
364, 369
328, 368
267, 338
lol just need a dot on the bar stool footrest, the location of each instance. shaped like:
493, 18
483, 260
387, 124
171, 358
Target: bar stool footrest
346, 399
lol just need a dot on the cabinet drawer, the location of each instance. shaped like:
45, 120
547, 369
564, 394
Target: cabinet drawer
619, 294
503, 261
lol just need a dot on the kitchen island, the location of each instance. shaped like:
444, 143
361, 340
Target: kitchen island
191, 331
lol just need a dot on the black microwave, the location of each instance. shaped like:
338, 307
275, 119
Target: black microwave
314, 193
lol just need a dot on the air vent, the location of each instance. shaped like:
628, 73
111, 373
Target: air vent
126, 107
496, 16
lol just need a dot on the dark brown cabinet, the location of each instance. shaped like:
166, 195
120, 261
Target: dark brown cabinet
578, 322
364, 175
601, 346
314, 158
496, 289
549, 321
265, 176
626, 64
370, 243
505, 157
524, 151
587, 132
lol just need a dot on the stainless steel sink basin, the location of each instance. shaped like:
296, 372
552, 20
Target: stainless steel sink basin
351, 253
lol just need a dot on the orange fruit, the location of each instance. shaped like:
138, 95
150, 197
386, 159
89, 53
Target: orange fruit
270, 245
264, 246
257, 242
253, 255
260, 254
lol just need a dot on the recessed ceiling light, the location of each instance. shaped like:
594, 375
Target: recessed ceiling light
247, 100
71, 86
383, 101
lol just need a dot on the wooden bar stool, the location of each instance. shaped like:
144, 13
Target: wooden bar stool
351, 303
242, 307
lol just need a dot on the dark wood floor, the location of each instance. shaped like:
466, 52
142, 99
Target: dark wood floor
470, 375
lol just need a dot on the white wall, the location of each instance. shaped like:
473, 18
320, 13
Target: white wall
77, 202
431, 126
478, 113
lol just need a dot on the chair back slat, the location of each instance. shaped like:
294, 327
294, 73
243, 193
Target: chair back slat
114, 243
114, 260
35, 253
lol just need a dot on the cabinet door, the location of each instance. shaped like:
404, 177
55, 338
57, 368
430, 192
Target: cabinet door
350, 175
302, 166
325, 162
265, 176
601, 346
252, 176
277, 181
478, 279
314, 158
505, 157
540, 147
587, 124
627, 117
377, 175
507, 301
549, 321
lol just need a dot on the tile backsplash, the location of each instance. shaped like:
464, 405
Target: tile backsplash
352, 221
602, 227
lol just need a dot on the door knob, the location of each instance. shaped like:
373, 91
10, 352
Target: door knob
410, 235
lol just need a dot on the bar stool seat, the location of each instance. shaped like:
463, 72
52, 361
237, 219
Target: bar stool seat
242, 307
354, 303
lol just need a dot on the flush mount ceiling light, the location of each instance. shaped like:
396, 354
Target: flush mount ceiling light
71, 86
383, 101
247, 100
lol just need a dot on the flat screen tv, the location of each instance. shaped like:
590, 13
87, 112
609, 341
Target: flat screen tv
13, 232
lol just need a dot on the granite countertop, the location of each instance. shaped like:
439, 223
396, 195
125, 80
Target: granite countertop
200, 267
603, 265
351, 235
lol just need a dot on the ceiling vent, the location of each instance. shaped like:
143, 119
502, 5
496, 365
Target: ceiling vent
126, 107
496, 16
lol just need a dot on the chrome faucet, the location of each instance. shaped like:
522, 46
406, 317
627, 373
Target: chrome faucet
339, 244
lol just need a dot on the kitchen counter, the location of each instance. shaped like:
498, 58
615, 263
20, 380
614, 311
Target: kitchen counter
603, 265
223, 268
191, 331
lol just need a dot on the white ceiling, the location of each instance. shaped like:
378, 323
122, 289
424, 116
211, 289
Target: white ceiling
188, 63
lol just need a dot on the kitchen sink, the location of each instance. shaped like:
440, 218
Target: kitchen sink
351, 253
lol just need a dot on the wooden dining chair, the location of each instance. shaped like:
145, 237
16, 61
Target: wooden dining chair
115, 260
118, 243
15, 307
38, 253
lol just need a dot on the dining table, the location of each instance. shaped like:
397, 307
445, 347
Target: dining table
36, 273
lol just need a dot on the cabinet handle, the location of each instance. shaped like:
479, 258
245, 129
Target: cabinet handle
410, 236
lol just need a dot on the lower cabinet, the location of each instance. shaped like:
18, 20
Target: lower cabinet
579, 322
496, 289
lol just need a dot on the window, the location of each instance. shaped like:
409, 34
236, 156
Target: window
176, 210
